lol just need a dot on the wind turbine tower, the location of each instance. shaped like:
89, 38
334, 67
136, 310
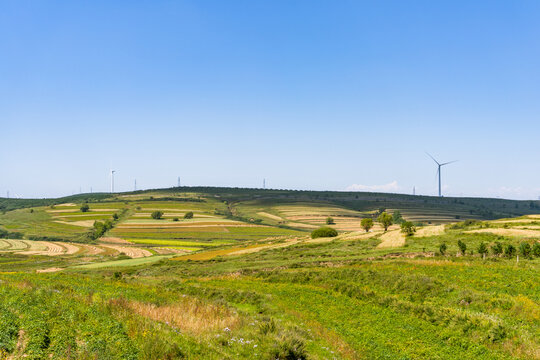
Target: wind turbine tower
179, 181
439, 165
112, 180
135, 186
264, 183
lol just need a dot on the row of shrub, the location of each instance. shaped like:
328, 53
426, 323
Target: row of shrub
4, 234
497, 249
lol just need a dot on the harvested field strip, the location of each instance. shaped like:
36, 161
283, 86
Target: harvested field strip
82, 223
179, 242
210, 227
130, 251
4, 244
16, 245
122, 263
390, 239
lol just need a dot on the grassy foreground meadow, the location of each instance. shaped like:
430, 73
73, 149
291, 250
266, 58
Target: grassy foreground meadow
243, 279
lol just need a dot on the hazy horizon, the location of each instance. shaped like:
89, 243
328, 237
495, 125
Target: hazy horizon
309, 95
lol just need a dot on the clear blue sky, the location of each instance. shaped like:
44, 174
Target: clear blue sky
308, 94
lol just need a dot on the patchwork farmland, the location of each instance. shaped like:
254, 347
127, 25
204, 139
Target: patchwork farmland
242, 278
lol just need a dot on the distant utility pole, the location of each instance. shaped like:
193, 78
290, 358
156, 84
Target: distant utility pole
112, 181
179, 181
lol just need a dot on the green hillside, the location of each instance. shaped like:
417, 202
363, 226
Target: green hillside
241, 278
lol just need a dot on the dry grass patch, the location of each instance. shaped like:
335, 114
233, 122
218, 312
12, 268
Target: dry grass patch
430, 231
270, 216
189, 315
508, 232
390, 239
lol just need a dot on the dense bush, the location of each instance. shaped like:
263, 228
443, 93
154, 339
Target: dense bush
188, 215
462, 247
84, 207
330, 221
482, 249
158, 214
442, 248
525, 249
497, 249
324, 232
536, 249
509, 250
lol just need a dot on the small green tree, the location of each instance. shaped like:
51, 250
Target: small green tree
115, 217
536, 249
408, 228
497, 249
330, 221
188, 215
442, 248
175, 219
397, 218
84, 208
510, 250
482, 249
525, 249
158, 214
462, 247
385, 219
367, 224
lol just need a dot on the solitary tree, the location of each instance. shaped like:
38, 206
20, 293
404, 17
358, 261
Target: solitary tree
188, 215
462, 247
367, 224
158, 214
330, 221
115, 216
408, 228
385, 219
85, 207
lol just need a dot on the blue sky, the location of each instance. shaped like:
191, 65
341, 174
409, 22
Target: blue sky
322, 95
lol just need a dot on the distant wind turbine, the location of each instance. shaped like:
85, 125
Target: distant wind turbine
439, 165
112, 181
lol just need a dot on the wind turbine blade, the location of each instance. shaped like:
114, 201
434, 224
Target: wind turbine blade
450, 162
432, 158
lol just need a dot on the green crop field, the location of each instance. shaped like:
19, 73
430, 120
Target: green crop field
243, 279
